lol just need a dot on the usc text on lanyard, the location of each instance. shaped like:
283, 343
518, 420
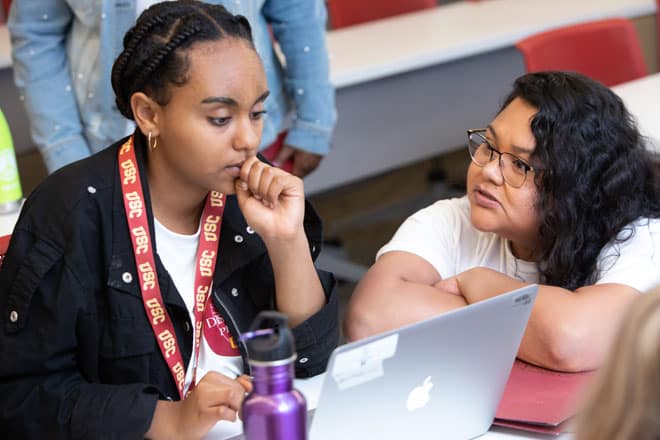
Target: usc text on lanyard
146, 267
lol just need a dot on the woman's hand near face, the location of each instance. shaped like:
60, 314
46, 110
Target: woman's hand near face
273, 204
272, 200
216, 397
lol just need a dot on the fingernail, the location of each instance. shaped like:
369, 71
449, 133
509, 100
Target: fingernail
242, 185
277, 164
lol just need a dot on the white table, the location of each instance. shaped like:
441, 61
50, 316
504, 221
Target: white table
458, 30
409, 86
311, 388
642, 97
413, 41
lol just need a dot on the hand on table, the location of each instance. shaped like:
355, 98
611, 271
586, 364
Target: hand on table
216, 397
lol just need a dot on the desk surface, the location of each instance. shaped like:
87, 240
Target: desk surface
459, 41
642, 99
311, 388
413, 41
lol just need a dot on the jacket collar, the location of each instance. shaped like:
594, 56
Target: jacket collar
239, 245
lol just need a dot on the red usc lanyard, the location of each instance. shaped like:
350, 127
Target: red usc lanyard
144, 258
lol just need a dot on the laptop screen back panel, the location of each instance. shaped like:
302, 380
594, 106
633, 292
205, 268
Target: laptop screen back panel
439, 378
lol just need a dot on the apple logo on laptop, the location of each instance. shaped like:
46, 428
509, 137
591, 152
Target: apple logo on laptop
419, 396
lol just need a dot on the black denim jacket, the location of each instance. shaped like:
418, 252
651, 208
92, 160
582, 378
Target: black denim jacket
78, 358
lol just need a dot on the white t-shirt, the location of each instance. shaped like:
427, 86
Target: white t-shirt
443, 235
217, 351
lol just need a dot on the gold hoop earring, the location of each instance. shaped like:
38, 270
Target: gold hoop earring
153, 146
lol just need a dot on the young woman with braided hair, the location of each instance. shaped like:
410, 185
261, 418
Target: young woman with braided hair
132, 273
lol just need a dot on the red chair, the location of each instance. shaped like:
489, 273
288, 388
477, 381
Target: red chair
4, 244
608, 51
5, 7
349, 12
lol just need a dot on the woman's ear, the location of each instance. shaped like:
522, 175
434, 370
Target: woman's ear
146, 112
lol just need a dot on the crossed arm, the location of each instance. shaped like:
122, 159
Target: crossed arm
567, 330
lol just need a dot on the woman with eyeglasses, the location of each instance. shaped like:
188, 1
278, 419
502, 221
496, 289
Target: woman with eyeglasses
562, 192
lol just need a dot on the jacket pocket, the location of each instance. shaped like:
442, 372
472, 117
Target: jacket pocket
39, 260
127, 352
128, 344
124, 338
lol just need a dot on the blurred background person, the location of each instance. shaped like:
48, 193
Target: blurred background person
624, 402
63, 50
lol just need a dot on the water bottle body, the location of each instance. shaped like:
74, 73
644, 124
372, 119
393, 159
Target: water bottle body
274, 410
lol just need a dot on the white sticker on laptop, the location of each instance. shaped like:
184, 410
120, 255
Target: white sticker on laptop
364, 363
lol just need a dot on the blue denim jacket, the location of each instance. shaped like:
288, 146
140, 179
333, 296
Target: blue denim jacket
63, 51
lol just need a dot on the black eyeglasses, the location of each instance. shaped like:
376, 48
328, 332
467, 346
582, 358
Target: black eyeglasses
514, 170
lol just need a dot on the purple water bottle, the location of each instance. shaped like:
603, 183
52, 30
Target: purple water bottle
274, 410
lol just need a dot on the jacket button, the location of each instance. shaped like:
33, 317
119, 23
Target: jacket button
234, 291
249, 230
169, 398
127, 277
303, 360
238, 238
13, 316
186, 326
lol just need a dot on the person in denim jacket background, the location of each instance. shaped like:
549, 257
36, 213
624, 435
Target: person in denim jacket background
63, 51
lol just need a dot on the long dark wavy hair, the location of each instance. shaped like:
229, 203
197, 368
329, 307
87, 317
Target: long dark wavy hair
596, 174
155, 54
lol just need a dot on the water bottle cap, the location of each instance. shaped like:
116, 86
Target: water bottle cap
269, 338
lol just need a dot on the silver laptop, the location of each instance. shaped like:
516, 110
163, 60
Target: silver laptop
438, 378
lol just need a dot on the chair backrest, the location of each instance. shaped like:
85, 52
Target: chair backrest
4, 244
5, 6
608, 51
349, 12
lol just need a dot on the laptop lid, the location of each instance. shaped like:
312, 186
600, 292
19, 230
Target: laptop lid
439, 378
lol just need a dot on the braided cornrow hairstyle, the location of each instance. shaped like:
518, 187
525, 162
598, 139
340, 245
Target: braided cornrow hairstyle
155, 51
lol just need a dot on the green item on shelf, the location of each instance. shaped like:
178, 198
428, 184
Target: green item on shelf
10, 183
